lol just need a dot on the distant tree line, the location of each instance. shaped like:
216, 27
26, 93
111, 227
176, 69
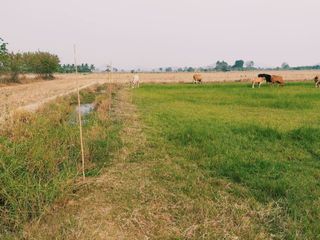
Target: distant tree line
315, 67
43, 64
239, 65
285, 66
70, 68
223, 66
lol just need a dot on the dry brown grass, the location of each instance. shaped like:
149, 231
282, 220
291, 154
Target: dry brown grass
218, 76
188, 77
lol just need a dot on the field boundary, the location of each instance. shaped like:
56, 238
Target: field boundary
36, 105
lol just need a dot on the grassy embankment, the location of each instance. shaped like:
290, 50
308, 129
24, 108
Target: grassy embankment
40, 155
247, 160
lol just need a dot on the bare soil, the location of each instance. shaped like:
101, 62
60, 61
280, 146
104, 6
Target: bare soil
31, 96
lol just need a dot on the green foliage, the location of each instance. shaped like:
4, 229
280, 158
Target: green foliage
238, 65
3, 56
70, 68
16, 65
264, 143
285, 66
169, 69
222, 66
10, 64
315, 67
42, 63
189, 69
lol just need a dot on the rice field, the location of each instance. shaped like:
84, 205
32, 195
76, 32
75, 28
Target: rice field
258, 146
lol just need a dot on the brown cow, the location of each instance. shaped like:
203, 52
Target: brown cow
197, 78
272, 79
277, 79
317, 81
258, 80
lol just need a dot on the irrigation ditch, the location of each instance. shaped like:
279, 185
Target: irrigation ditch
40, 153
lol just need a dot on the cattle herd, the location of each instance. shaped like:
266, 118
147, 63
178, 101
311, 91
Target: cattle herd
271, 79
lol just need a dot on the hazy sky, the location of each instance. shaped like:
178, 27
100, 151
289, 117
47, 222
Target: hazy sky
156, 33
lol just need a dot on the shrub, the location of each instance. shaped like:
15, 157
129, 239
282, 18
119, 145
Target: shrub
15, 66
42, 63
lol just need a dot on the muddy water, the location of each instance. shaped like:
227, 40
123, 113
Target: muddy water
85, 109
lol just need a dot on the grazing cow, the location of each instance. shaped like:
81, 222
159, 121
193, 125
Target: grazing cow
317, 81
272, 79
258, 80
197, 78
267, 77
277, 79
135, 81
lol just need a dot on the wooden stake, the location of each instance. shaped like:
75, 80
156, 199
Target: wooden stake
79, 115
110, 86
110, 97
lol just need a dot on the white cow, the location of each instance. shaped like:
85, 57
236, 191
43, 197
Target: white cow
135, 82
258, 80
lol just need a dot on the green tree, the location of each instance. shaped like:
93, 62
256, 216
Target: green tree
238, 64
169, 69
42, 63
3, 56
10, 64
190, 69
222, 66
17, 65
285, 65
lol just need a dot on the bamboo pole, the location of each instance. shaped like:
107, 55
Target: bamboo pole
110, 86
79, 115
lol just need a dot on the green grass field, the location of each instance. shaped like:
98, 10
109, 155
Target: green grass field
259, 147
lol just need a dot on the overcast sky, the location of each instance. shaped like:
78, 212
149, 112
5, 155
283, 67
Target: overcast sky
156, 33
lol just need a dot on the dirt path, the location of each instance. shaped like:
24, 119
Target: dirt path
30, 96
95, 215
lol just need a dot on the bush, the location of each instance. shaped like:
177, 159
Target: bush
3, 59
15, 65
42, 63
3, 55
12, 64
